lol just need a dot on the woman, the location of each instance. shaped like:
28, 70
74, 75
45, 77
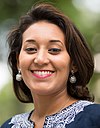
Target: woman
51, 67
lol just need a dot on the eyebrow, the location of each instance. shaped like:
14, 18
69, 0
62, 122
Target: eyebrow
56, 41
30, 40
52, 41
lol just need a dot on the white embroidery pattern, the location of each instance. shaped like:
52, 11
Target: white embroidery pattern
21, 121
66, 116
58, 120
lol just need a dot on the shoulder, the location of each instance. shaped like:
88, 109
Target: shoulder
16, 120
84, 114
93, 111
87, 106
93, 107
6, 124
90, 116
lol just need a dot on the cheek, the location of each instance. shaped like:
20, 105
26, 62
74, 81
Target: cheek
24, 60
63, 65
24, 63
63, 62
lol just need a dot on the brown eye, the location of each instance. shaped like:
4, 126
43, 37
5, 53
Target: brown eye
54, 50
31, 50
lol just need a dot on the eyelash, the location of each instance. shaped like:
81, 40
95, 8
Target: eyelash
31, 50
54, 50
51, 51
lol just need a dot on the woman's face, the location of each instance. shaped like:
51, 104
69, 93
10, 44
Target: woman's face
43, 59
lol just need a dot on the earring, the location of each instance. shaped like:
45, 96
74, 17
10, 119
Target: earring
72, 78
19, 76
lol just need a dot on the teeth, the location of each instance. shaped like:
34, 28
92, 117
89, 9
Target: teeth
41, 73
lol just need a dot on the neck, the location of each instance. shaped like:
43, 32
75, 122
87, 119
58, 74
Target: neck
48, 105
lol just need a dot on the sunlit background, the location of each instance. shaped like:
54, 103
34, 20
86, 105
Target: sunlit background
84, 13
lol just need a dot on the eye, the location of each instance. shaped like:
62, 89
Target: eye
54, 50
31, 50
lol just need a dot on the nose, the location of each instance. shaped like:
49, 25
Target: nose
41, 58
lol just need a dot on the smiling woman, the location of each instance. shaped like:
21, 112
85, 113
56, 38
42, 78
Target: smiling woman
44, 57
51, 65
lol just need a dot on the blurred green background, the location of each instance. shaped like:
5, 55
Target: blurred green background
86, 16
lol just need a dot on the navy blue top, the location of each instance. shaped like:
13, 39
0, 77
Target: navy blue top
82, 114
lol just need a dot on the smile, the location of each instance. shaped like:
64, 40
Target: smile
42, 74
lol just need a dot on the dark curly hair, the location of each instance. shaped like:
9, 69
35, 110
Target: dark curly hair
75, 45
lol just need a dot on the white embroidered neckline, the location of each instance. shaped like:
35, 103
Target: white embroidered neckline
58, 120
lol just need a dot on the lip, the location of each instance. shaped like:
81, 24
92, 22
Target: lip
42, 74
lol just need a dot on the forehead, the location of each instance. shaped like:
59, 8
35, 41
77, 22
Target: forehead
43, 29
43, 24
